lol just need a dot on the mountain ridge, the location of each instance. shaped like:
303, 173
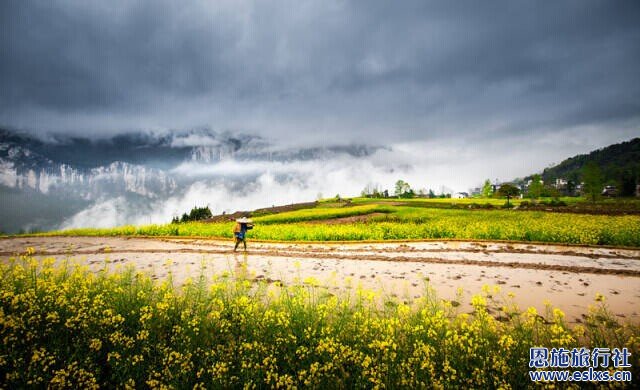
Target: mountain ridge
619, 164
142, 169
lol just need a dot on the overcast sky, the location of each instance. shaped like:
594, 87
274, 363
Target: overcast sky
477, 80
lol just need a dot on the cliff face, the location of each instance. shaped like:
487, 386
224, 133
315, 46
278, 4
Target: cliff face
23, 169
142, 169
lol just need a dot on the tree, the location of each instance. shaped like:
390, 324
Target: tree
508, 190
199, 213
431, 194
196, 214
627, 183
403, 189
571, 187
592, 178
371, 190
487, 190
535, 188
550, 191
399, 187
367, 191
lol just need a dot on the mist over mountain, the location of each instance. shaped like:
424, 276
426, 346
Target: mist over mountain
62, 181
53, 181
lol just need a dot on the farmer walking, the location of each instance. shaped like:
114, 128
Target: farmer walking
240, 231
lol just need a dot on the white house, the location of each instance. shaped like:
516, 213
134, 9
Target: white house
561, 183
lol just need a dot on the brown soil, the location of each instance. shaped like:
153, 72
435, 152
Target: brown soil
343, 220
268, 210
569, 277
582, 210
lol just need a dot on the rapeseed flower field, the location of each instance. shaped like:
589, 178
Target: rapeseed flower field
388, 222
63, 326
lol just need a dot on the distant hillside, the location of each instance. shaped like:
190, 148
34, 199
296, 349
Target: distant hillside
619, 163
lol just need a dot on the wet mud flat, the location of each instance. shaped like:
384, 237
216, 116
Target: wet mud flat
569, 277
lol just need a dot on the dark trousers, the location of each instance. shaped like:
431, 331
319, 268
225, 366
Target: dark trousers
240, 240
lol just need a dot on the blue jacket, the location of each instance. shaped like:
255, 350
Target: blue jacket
243, 230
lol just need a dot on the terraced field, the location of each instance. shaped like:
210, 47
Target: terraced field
373, 220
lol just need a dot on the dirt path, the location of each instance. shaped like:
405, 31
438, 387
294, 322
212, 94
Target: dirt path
569, 277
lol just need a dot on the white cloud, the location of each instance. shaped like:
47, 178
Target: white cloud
194, 140
457, 164
102, 214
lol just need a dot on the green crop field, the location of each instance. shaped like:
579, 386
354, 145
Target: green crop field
388, 221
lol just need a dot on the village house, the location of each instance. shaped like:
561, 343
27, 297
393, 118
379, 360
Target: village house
560, 183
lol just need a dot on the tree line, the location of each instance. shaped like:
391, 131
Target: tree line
196, 214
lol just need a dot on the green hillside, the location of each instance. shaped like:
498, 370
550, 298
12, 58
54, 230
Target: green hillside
619, 163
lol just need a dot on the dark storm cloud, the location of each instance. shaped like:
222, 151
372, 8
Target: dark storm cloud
391, 70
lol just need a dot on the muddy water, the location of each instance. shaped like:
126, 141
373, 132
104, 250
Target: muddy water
569, 277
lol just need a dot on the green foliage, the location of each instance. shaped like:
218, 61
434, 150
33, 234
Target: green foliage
571, 188
508, 191
403, 190
619, 163
549, 191
628, 181
487, 190
196, 214
535, 188
554, 203
592, 178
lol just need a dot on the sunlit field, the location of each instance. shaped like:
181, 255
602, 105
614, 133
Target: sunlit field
64, 326
386, 221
